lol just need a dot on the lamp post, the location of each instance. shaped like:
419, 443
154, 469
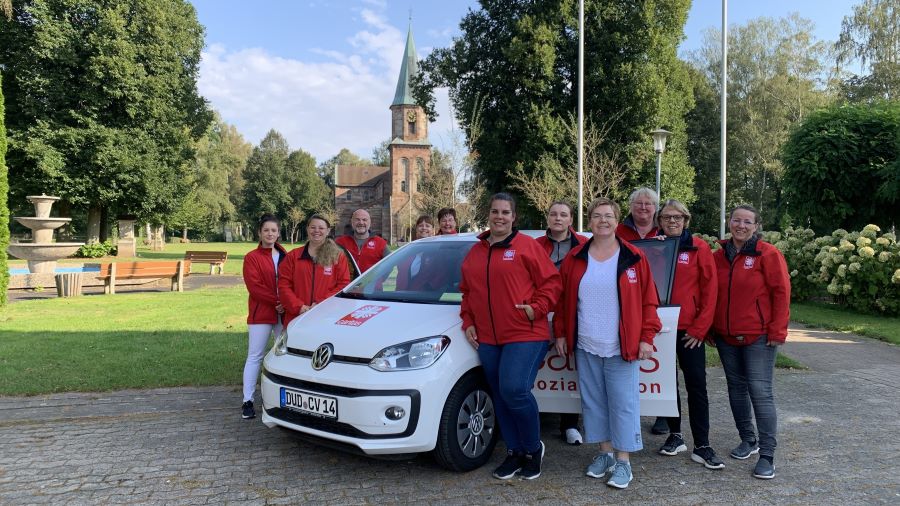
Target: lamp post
659, 145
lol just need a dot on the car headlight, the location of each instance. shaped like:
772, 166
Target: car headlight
280, 347
417, 354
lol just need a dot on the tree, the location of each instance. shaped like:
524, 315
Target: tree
381, 155
306, 189
264, 188
344, 157
871, 36
437, 190
843, 167
295, 217
519, 58
703, 150
774, 81
103, 104
4, 205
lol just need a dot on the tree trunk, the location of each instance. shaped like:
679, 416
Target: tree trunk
93, 224
148, 234
184, 234
158, 242
104, 223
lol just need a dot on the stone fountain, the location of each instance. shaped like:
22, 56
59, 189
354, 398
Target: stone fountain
42, 253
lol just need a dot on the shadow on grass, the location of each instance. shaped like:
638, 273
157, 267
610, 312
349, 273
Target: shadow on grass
41, 362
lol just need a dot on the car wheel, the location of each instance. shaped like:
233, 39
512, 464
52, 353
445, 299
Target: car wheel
468, 430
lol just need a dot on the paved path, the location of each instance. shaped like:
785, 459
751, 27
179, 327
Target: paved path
837, 444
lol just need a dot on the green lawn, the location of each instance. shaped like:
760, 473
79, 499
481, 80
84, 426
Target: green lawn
830, 316
135, 340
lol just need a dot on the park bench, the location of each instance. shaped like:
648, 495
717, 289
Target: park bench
175, 270
215, 259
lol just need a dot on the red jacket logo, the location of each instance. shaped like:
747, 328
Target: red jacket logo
748, 262
509, 254
684, 258
360, 316
632, 275
327, 271
370, 244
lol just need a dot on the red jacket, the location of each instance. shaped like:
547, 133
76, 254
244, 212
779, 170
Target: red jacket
754, 294
262, 284
371, 252
497, 277
301, 282
638, 321
575, 239
628, 231
695, 288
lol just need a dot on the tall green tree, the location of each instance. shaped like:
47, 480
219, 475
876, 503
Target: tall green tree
308, 192
4, 205
843, 167
103, 103
515, 65
871, 37
775, 70
264, 174
344, 157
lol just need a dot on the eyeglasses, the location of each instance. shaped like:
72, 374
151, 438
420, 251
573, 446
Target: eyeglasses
677, 218
603, 217
746, 223
643, 204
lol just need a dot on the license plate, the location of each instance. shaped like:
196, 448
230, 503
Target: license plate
306, 402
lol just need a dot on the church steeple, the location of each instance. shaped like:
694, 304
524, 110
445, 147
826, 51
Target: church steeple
408, 68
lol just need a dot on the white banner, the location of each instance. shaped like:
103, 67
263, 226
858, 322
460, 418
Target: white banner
556, 386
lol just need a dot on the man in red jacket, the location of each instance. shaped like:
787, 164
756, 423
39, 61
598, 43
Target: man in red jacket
365, 248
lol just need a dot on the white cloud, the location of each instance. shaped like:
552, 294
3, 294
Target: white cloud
320, 106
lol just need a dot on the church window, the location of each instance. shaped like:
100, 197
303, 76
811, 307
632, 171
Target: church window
348, 195
404, 172
420, 173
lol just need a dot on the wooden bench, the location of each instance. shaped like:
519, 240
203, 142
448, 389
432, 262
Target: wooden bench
175, 270
215, 259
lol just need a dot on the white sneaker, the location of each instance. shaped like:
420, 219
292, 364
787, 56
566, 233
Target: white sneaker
573, 437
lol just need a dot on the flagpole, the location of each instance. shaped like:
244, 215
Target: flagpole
580, 115
724, 121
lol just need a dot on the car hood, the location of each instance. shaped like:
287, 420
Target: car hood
362, 328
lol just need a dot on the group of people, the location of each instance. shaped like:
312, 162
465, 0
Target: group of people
602, 292
604, 298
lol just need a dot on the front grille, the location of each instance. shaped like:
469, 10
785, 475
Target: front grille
334, 426
347, 359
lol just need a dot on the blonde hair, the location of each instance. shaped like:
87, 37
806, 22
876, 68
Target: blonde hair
678, 206
328, 253
603, 201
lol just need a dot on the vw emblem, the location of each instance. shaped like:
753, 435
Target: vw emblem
322, 356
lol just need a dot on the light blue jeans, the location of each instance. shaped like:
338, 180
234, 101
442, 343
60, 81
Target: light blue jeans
610, 400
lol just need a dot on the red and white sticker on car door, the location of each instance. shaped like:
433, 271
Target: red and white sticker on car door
361, 315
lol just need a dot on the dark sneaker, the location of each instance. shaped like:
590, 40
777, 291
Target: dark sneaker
510, 466
706, 456
247, 410
764, 469
621, 475
660, 426
531, 467
601, 465
674, 445
744, 450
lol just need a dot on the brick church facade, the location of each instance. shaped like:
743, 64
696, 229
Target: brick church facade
389, 193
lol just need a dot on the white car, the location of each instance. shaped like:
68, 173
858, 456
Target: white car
383, 367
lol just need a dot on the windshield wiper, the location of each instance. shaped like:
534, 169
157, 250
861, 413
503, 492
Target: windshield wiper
352, 295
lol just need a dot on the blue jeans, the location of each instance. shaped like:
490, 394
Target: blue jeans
510, 370
610, 400
749, 371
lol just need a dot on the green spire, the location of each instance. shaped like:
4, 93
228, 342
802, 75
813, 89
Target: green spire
408, 69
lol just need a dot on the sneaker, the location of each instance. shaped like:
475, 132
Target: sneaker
601, 465
531, 468
621, 475
247, 410
764, 469
706, 456
510, 466
573, 437
674, 445
660, 426
744, 450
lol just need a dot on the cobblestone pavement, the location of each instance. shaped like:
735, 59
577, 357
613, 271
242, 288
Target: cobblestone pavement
837, 444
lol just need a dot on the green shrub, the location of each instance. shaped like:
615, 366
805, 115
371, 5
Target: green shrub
96, 250
800, 247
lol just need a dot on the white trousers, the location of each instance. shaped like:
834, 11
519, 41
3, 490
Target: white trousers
256, 350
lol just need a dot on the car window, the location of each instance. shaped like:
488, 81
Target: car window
421, 272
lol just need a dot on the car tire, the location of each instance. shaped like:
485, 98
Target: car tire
468, 428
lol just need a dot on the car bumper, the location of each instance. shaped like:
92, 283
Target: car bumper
363, 395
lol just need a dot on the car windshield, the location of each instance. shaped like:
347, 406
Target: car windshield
424, 272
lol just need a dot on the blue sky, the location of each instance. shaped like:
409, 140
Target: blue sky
323, 72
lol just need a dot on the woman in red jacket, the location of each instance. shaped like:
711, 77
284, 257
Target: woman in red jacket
751, 320
508, 286
265, 309
314, 272
694, 289
607, 316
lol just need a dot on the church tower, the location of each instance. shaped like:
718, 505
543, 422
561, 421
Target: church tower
409, 150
